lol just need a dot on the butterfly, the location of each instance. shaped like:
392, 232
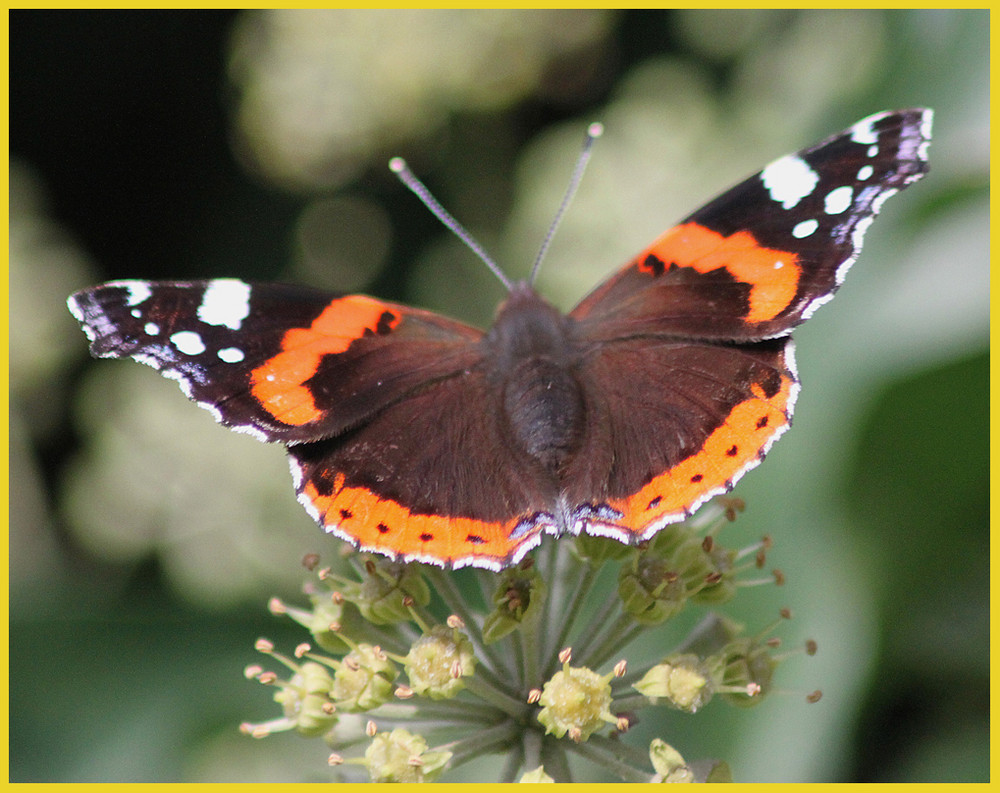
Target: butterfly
422, 438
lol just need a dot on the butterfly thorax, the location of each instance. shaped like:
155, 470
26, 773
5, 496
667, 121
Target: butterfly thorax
531, 356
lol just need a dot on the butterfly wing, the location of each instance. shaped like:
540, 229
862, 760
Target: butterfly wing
433, 478
346, 383
688, 365
760, 258
283, 363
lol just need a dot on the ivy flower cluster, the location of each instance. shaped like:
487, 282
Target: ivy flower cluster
410, 670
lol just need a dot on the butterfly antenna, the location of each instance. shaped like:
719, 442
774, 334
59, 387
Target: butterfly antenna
399, 167
594, 131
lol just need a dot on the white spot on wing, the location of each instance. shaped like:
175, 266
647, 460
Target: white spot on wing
188, 342
805, 228
138, 291
226, 302
152, 329
789, 180
865, 173
838, 200
231, 354
864, 131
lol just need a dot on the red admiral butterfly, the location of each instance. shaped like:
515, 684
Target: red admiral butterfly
422, 438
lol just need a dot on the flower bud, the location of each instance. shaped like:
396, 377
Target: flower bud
719, 771
382, 596
363, 679
650, 591
325, 612
744, 671
401, 756
668, 763
538, 775
720, 584
682, 681
518, 598
577, 701
305, 700
434, 659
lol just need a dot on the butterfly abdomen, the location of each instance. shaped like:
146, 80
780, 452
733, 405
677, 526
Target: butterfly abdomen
531, 356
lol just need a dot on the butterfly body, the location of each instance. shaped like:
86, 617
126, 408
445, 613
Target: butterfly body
420, 437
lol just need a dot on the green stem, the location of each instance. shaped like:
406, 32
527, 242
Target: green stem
610, 759
458, 709
583, 583
517, 647
554, 760
513, 764
531, 743
496, 697
632, 702
619, 635
531, 646
482, 742
593, 628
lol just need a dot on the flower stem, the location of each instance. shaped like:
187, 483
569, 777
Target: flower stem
496, 697
555, 761
608, 755
531, 744
631, 702
513, 764
583, 583
482, 742
593, 628
621, 633
532, 647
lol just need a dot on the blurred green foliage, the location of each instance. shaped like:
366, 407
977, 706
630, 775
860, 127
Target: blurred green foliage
144, 540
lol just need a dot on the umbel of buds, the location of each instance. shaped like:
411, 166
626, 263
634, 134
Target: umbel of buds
444, 668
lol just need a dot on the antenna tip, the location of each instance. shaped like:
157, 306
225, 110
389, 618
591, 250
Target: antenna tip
397, 165
595, 130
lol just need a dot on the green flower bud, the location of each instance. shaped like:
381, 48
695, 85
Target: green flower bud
719, 772
744, 671
363, 679
517, 600
305, 700
401, 756
577, 701
325, 612
677, 564
650, 590
538, 775
438, 661
668, 763
683, 681
383, 594
720, 582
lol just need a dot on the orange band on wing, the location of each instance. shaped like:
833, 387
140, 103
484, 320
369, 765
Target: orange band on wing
384, 525
726, 453
773, 275
279, 383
